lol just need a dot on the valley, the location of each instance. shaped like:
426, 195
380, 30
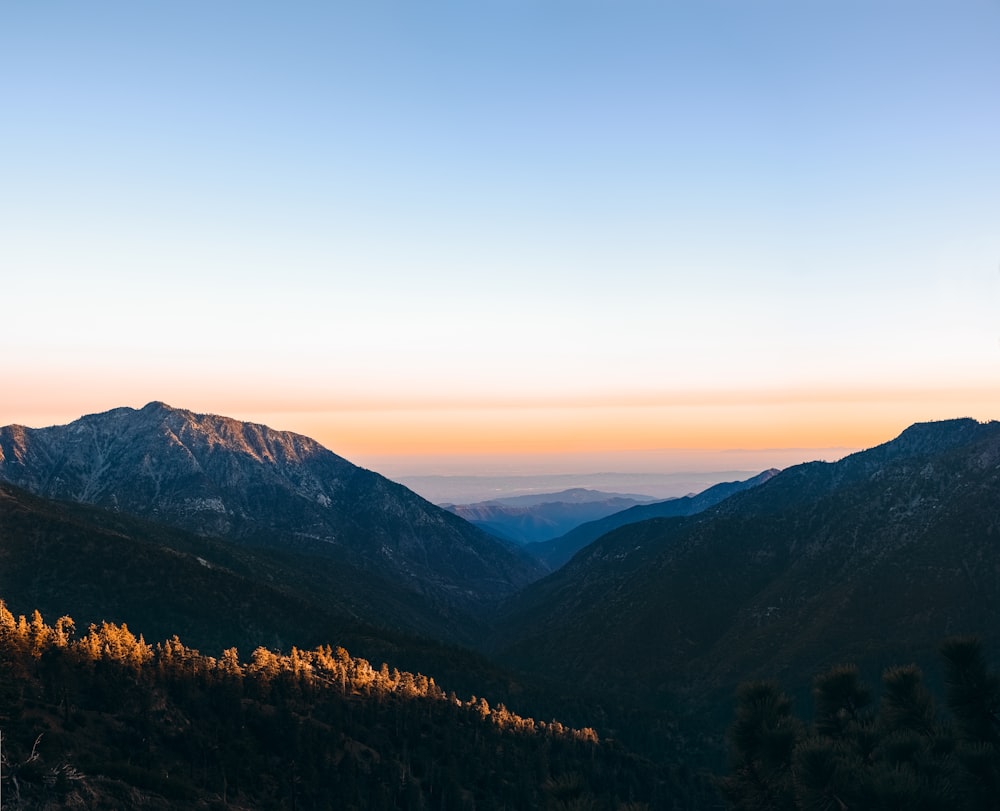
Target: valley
638, 625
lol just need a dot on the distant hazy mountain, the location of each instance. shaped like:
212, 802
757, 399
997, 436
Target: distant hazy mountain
216, 476
540, 516
555, 552
872, 559
573, 495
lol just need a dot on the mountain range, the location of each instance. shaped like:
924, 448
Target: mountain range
873, 559
231, 533
539, 517
557, 551
220, 478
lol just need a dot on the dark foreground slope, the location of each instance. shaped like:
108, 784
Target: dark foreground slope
866, 751
219, 477
557, 551
874, 559
103, 720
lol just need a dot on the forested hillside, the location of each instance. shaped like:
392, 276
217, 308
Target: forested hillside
873, 559
637, 646
102, 719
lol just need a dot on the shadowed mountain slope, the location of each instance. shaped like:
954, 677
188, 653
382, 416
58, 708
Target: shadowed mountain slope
216, 476
66, 558
872, 559
556, 552
73, 559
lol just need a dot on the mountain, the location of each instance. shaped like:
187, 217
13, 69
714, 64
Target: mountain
555, 552
541, 516
573, 495
64, 558
75, 559
124, 737
873, 559
218, 477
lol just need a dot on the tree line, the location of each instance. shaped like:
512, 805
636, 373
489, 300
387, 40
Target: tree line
102, 717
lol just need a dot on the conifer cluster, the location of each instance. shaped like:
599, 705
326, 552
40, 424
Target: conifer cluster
856, 753
103, 719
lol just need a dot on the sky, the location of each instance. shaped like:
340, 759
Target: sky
506, 235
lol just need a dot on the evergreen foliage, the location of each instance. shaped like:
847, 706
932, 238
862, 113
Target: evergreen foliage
898, 754
764, 737
107, 720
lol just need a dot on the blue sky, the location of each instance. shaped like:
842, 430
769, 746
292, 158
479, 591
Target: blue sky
510, 227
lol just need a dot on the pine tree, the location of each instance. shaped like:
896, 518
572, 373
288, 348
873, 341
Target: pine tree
973, 695
906, 703
840, 699
763, 738
973, 692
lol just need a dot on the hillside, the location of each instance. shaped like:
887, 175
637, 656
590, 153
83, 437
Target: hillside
219, 477
74, 559
644, 635
872, 559
557, 551
102, 719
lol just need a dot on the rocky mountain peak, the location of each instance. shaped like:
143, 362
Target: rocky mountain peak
217, 476
934, 437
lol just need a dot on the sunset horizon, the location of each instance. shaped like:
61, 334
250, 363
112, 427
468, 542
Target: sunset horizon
662, 450
567, 236
479, 404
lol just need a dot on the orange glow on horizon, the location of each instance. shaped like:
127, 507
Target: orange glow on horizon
361, 426
740, 423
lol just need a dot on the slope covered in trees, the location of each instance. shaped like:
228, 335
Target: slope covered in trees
103, 719
870, 559
95, 565
642, 636
892, 546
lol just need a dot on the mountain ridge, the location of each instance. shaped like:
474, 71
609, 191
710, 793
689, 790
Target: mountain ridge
69, 558
870, 559
570, 495
220, 477
557, 551
874, 559
529, 519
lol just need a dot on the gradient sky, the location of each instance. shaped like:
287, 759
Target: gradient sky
505, 229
